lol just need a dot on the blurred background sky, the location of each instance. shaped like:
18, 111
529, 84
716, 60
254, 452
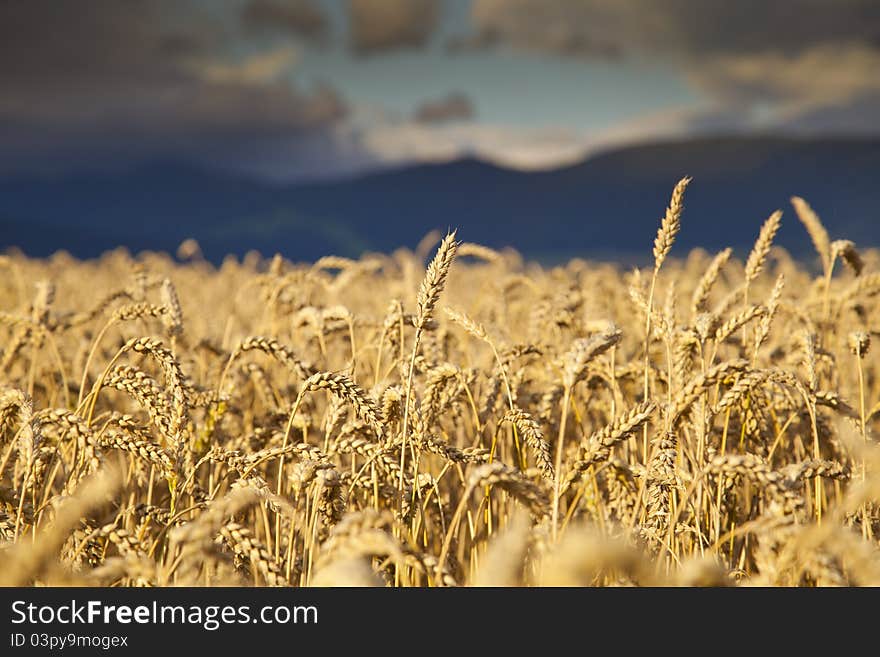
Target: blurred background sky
295, 91
314, 88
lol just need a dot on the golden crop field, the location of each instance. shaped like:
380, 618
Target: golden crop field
452, 416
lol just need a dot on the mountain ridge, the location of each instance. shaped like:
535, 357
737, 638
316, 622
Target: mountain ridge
610, 203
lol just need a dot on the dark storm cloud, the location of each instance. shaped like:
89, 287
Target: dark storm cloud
299, 17
857, 117
126, 77
382, 25
454, 107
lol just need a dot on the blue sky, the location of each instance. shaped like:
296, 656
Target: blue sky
293, 89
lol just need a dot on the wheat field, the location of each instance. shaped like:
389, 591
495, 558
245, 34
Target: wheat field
449, 416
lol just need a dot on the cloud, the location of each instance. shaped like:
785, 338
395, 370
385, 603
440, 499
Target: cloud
511, 146
453, 107
215, 124
857, 117
587, 28
797, 58
259, 68
299, 17
382, 25
829, 88
836, 72
122, 79
674, 27
118, 81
